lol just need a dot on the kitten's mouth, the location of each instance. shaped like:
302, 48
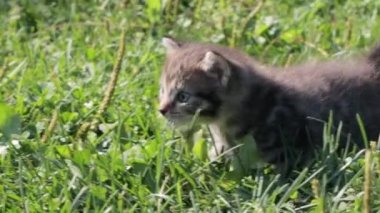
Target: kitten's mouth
179, 122
184, 122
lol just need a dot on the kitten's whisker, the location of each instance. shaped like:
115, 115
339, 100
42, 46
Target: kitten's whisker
315, 119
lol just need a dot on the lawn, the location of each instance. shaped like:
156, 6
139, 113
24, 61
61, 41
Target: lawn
78, 106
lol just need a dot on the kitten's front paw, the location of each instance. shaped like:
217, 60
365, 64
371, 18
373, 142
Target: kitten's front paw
214, 154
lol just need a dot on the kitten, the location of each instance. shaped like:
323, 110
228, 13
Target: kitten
281, 112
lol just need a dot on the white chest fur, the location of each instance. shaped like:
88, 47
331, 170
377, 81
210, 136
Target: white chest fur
243, 152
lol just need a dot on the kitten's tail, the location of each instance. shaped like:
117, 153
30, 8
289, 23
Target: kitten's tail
374, 57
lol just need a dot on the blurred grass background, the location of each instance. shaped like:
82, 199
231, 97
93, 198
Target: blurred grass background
57, 56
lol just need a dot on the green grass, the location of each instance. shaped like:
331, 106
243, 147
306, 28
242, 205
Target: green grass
58, 55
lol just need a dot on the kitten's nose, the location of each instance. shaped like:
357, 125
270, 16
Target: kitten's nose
164, 109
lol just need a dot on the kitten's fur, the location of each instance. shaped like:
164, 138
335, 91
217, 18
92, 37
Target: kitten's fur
284, 110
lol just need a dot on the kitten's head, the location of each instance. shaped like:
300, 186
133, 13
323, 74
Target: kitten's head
192, 83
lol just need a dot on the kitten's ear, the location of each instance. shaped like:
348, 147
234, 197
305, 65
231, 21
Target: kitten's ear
216, 66
170, 44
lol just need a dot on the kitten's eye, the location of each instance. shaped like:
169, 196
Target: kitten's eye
183, 97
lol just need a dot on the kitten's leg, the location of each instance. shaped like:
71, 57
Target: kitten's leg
243, 157
221, 144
